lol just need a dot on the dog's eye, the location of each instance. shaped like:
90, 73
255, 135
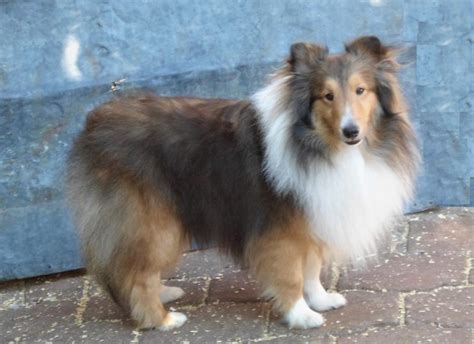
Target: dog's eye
360, 90
329, 96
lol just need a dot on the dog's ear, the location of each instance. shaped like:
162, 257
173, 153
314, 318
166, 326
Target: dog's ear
370, 45
385, 58
304, 57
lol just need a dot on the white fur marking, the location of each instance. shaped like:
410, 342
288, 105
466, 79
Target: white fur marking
325, 301
301, 316
169, 294
348, 117
319, 299
173, 320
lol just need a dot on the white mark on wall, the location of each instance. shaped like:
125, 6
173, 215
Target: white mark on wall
377, 3
446, 42
70, 57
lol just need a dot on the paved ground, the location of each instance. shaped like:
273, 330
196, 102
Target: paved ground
420, 290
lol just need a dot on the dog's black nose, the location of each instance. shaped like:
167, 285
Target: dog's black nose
351, 131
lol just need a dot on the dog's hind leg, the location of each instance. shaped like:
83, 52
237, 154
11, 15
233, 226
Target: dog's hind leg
139, 271
147, 309
151, 243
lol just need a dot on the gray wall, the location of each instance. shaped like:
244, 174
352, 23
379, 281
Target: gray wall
58, 60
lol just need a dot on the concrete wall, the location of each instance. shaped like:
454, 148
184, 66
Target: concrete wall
58, 59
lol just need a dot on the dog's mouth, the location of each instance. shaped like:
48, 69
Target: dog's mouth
353, 142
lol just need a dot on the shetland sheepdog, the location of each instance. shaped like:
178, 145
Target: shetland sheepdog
315, 166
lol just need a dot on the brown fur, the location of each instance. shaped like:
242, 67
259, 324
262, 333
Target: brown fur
328, 113
151, 244
279, 261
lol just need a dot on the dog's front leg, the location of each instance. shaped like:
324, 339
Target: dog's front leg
317, 297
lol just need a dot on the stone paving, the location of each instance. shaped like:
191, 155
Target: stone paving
421, 290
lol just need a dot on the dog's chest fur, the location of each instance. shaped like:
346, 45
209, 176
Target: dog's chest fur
352, 200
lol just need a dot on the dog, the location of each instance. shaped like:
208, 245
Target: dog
314, 167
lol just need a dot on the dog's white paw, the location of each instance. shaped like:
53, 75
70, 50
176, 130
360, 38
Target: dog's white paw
326, 301
168, 294
302, 317
173, 320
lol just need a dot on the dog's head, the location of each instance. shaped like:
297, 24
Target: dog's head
338, 98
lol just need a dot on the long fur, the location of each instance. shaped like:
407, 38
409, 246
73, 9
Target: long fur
269, 181
351, 197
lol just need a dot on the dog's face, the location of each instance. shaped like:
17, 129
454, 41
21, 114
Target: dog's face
339, 97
